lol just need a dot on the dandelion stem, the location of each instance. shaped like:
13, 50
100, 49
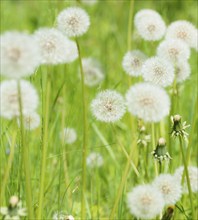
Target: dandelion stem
44, 148
84, 151
153, 144
131, 8
187, 175
8, 167
25, 157
123, 181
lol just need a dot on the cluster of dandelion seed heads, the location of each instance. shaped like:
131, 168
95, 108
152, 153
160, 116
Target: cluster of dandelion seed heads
55, 47
20, 55
93, 74
184, 31
173, 50
94, 160
145, 202
148, 102
169, 188
193, 176
69, 135
73, 21
9, 102
158, 71
149, 25
108, 106
133, 61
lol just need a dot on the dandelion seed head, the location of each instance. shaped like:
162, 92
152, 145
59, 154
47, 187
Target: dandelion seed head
73, 21
20, 55
9, 102
182, 71
55, 47
93, 74
69, 135
158, 71
193, 176
148, 102
174, 51
145, 202
169, 187
94, 160
133, 61
149, 25
108, 106
184, 31
31, 121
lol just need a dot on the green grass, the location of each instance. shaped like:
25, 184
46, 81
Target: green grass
106, 40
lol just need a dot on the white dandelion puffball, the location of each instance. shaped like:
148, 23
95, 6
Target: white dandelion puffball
182, 71
149, 25
158, 71
173, 50
148, 102
9, 103
93, 74
31, 121
69, 135
169, 187
145, 202
133, 61
108, 106
193, 176
55, 47
20, 55
183, 30
73, 21
94, 160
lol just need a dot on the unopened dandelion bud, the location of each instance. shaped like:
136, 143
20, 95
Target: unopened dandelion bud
13, 201
178, 128
168, 213
160, 153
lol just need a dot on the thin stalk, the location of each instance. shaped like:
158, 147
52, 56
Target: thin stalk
44, 150
187, 175
25, 158
130, 23
7, 168
84, 151
153, 144
123, 181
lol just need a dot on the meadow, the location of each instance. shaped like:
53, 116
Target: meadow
89, 173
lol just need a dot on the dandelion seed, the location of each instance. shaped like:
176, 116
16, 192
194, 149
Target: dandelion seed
169, 187
174, 51
149, 25
145, 202
184, 31
69, 135
94, 160
9, 102
93, 74
193, 176
31, 121
148, 102
158, 71
55, 47
108, 106
20, 55
182, 71
133, 61
73, 21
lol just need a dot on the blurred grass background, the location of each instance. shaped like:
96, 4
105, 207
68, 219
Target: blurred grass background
106, 40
